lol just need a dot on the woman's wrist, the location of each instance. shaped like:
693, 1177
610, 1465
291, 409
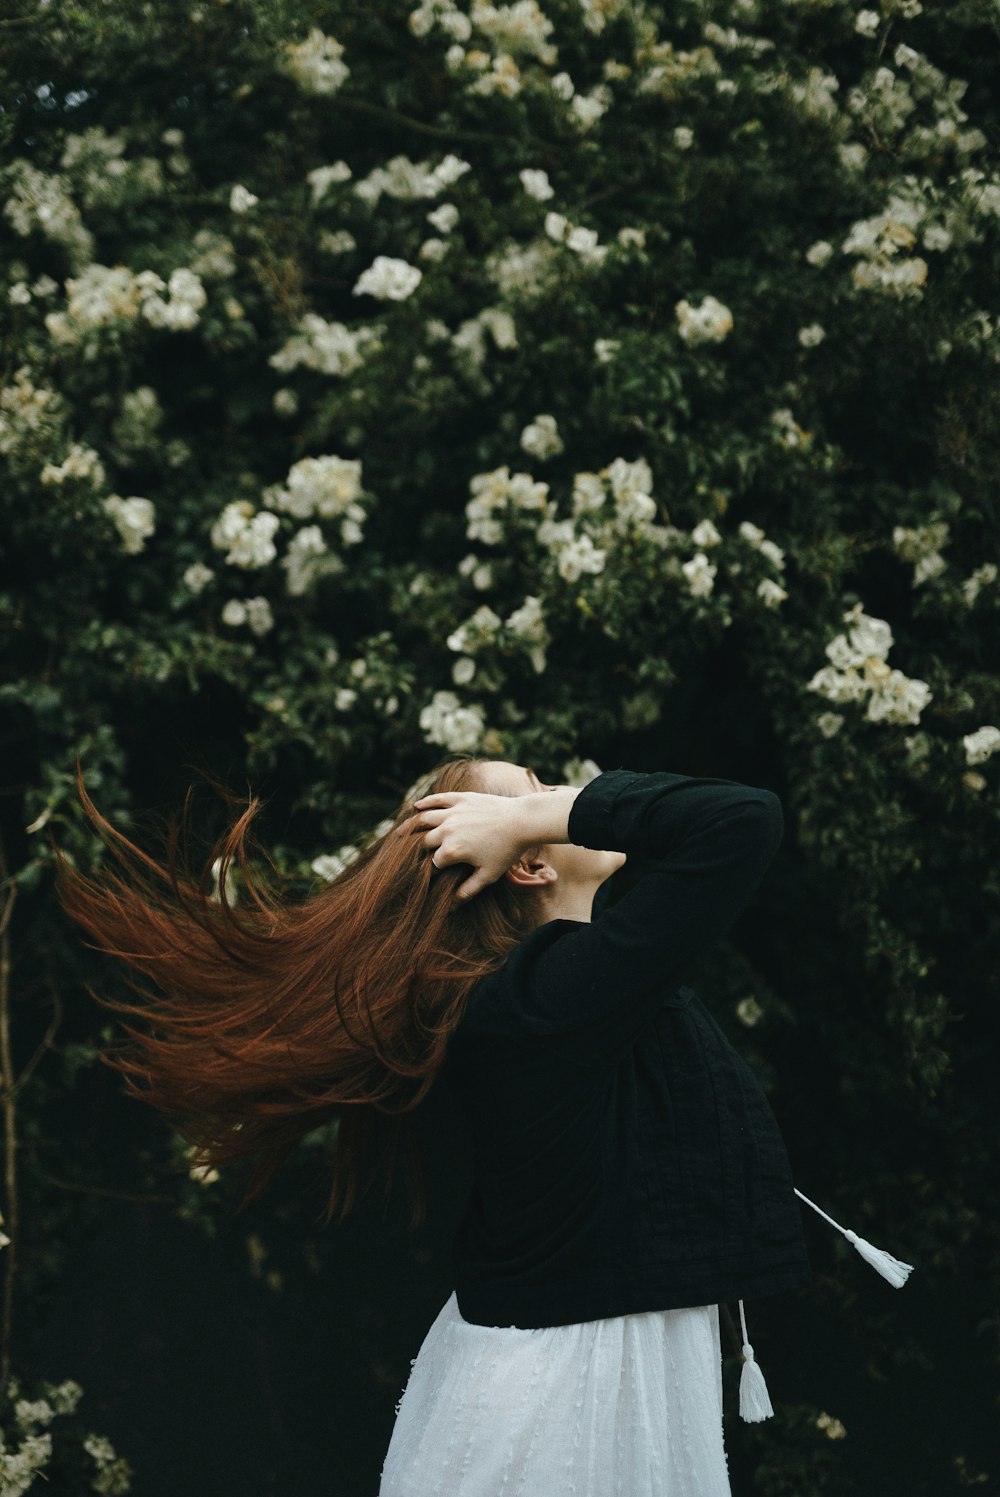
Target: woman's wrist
545, 814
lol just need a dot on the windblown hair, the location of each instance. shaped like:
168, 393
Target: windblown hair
270, 1019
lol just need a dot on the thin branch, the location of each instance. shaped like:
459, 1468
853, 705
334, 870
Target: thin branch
43, 1045
11, 1222
102, 1190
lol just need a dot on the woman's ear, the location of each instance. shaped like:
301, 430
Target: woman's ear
530, 872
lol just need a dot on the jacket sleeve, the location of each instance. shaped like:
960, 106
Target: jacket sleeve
706, 845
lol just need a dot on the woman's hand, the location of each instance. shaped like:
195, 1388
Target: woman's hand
467, 826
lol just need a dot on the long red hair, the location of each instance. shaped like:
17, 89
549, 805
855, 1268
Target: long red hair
270, 1019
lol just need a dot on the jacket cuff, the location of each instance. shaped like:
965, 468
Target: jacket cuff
591, 816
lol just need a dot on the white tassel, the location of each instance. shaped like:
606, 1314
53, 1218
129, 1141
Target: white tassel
755, 1403
889, 1267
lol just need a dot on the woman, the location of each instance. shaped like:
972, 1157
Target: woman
629, 1173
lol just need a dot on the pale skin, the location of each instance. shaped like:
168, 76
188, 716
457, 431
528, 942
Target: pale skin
519, 833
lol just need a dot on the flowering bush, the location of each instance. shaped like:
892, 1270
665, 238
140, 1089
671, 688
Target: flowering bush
544, 379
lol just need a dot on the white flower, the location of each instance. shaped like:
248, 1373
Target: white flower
135, 519
981, 744
536, 184
577, 556
307, 559
771, 593
445, 721
19, 294
580, 772
444, 218
259, 615
285, 402
330, 865
327, 486
234, 613
751, 533
322, 177
811, 335
866, 22
705, 534
463, 670
700, 574
477, 631
899, 699
541, 438
774, 553
344, 698
708, 323
977, 580
245, 536
315, 64
819, 253
389, 279
240, 199
197, 576
830, 723
683, 137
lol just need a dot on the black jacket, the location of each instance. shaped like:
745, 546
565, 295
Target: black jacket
625, 1157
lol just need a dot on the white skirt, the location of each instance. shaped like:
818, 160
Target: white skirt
625, 1407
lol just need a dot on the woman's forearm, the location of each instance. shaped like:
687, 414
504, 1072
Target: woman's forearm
545, 813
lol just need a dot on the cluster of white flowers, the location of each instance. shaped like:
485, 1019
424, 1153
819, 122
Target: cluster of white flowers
479, 572
921, 545
708, 323
253, 611
24, 1453
408, 180
700, 574
322, 177
328, 487
815, 94
520, 269
135, 520
522, 28
528, 623
388, 279
25, 408
101, 174
859, 670
977, 580
246, 535
492, 493
981, 744
470, 339
541, 438
876, 241
308, 558
81, 462
445, 721
583, 242
329, 347
40, 203
106, 294
771, 593
787, 430
662, 68
477, 632
315, 64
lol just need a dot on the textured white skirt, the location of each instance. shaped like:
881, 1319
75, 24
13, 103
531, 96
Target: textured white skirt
625, 1407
